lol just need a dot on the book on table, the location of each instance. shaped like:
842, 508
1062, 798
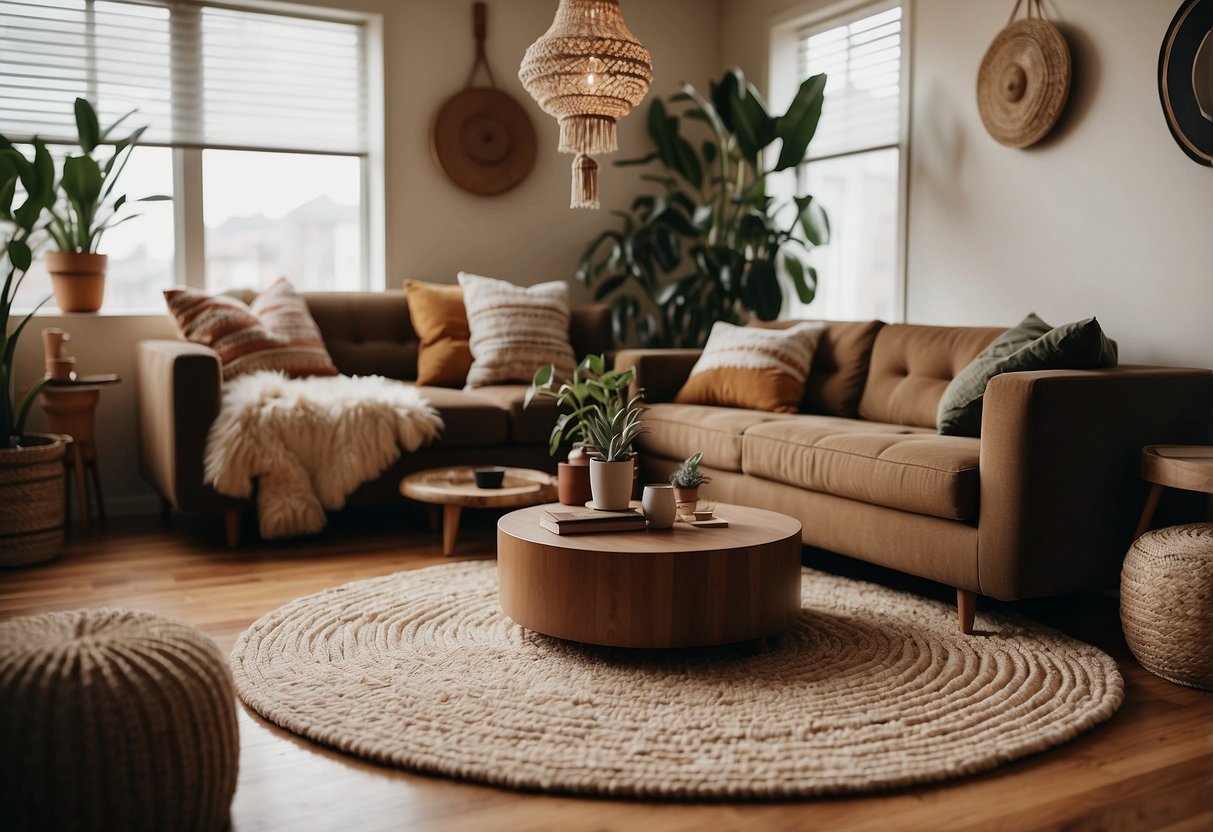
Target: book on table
591, 520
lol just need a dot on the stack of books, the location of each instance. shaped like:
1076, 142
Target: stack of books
586, 521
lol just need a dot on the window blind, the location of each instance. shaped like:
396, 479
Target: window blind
199, 75
862, 59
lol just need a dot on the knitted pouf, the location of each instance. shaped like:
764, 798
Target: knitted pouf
1166, 603
114, 720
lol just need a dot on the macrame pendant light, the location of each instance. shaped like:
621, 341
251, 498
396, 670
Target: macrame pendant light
587, 71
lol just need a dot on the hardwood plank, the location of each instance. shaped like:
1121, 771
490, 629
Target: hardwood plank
1150, 766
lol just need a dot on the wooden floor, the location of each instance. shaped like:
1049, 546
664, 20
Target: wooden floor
1150, 767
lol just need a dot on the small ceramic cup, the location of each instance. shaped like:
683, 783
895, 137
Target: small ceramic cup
489, 476
659, 506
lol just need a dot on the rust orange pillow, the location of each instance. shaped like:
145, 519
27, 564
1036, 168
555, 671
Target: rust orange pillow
275, 333
441, 323
751, 367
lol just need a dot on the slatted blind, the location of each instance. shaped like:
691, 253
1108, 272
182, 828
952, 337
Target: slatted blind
862, 59
198, 75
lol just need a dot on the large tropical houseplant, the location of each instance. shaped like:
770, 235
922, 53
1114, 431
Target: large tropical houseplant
31, 468
713, 243
89, 206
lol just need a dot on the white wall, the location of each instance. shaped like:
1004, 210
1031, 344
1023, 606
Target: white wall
433, 229
1106, 217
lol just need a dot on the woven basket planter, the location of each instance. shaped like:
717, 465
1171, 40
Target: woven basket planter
114, 720
31, 501
1166, 603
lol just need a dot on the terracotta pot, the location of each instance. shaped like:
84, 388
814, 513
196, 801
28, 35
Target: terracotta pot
686, 498
573, 483
31, 499
78, 279
611, 483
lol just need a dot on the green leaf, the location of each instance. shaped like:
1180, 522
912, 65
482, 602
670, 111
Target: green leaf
154, 198
798, 125
609, 285
82, 179
812, 219
687, 163
804, 283
87, 128
761, 290
19, 255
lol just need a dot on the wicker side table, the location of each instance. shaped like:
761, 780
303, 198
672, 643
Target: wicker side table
1166, 603
114, 720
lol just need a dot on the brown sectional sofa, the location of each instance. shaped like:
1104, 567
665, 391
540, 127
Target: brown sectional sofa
1045, 502
365, 333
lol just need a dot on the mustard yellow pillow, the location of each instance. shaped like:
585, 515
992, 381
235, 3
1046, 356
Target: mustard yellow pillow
751, 367
441, 323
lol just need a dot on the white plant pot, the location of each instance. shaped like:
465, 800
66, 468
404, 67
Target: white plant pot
611, 484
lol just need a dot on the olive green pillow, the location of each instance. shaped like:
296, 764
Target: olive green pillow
1031, 345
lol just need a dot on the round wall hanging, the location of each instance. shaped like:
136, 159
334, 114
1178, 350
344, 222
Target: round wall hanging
1185, 79
481, 138
1024, 79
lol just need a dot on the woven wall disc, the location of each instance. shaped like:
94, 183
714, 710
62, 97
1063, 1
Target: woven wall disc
483, 140
1023, 82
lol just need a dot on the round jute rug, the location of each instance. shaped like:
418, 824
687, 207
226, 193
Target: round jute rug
872, 688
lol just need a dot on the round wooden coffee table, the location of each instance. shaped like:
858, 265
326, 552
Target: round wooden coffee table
454, 489
682, 587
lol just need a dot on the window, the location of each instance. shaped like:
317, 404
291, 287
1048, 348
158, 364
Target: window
257, 125
854, 162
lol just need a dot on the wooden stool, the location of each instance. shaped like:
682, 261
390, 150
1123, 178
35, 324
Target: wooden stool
1189, 467
70, 408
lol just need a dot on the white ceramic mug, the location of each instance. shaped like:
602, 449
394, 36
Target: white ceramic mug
659, 507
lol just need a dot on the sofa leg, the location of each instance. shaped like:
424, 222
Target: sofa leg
966, 608
231, 526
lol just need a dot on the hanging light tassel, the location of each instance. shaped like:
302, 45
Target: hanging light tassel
585, 182
587, 134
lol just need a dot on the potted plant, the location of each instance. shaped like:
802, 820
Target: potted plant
712, 244
88, 209
686, 481
592, 384
610, 428
31, 466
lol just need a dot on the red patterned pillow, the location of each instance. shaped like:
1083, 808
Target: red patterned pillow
275, 333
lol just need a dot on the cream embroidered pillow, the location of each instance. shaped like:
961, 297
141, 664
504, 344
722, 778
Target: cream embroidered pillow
516, 329
747, 366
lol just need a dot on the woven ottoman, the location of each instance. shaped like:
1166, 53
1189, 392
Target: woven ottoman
1166, 603
114, 720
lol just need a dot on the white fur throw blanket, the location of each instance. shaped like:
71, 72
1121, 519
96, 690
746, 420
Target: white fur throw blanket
309, 442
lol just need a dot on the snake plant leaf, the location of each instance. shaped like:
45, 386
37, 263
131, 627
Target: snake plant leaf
8, 183
798, 125
88, 131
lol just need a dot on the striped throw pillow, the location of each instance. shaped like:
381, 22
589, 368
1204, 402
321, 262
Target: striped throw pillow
751, 367
516, 329
275, 333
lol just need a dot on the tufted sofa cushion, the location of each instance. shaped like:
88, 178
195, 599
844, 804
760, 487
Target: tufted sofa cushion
911, 367
367, 337
906, 468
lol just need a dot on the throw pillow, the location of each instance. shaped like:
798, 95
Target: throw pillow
516, 329
441, 323
275, 333
1032, 345
745, 366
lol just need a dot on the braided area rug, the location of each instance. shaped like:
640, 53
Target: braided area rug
872, 688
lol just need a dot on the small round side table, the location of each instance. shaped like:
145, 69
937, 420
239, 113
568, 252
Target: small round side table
1189, 467
70, 408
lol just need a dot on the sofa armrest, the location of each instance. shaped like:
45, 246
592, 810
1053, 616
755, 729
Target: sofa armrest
1059, 467
660, 373
179, 389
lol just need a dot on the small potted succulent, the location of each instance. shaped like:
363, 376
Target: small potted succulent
89, 208
686, 480
592, 385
